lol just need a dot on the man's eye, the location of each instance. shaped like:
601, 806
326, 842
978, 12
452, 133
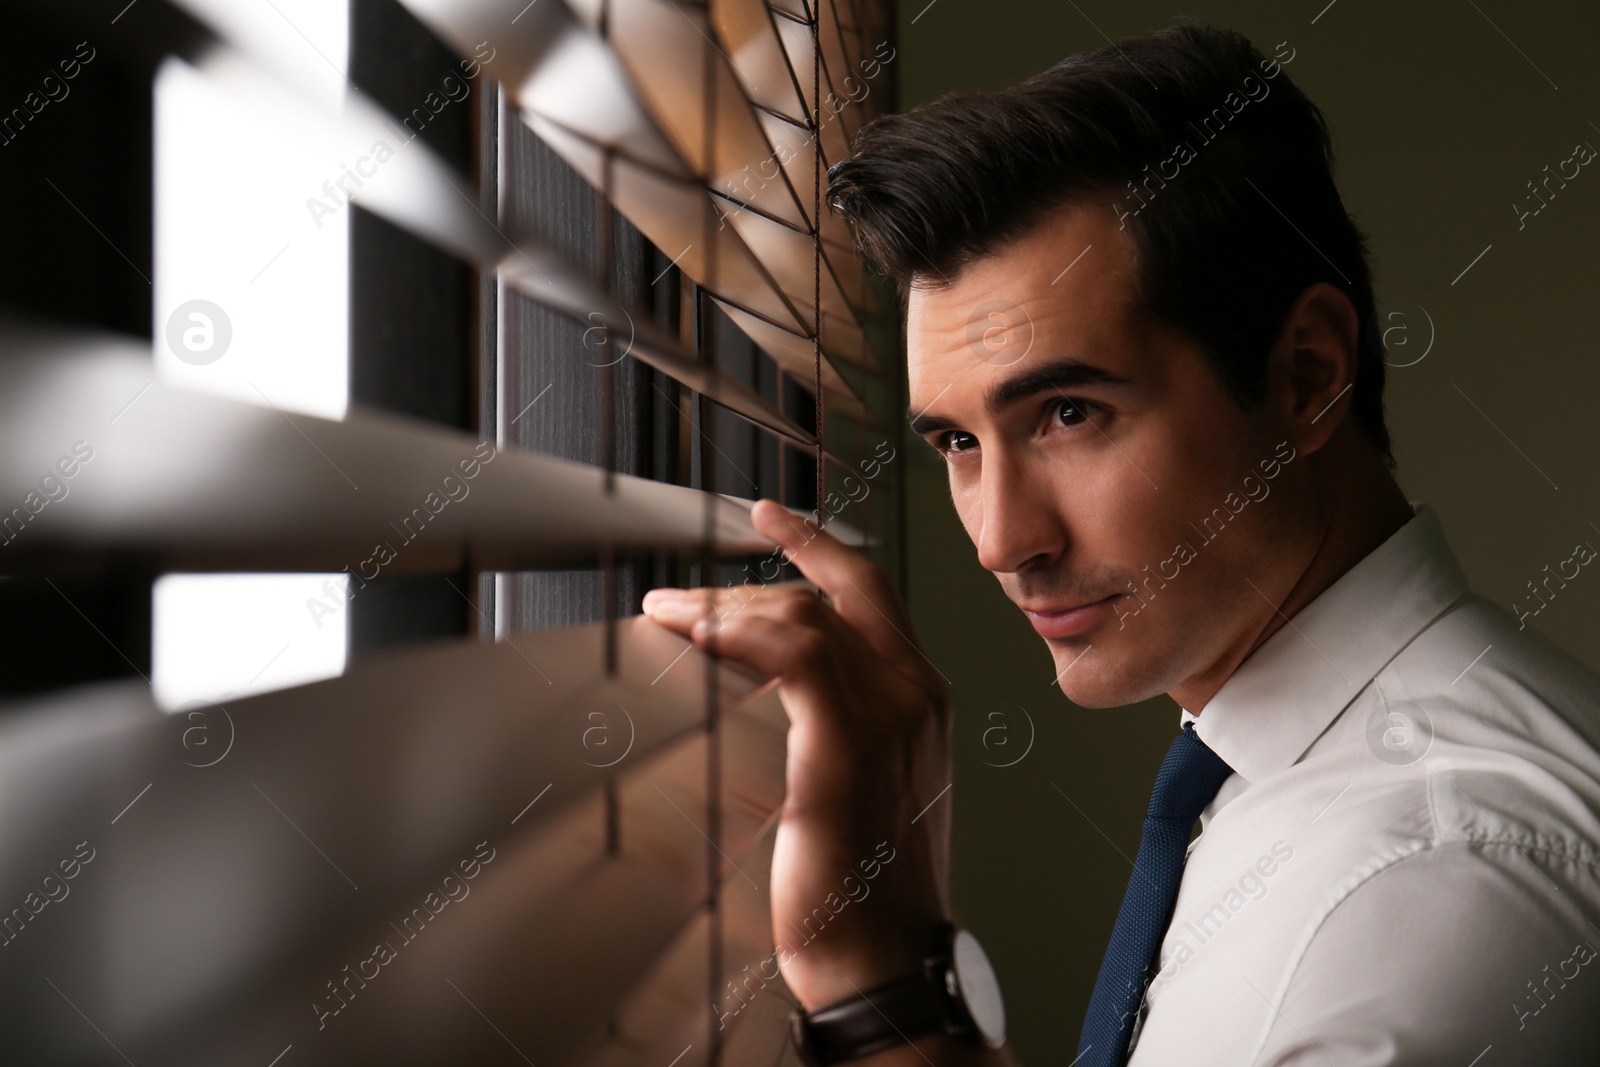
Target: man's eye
1071, 412
959, 441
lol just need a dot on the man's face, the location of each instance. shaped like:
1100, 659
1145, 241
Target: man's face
1125, 501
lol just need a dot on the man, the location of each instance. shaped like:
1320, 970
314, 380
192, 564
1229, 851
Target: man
1139, 331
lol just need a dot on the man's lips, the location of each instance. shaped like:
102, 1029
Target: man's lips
1050, 621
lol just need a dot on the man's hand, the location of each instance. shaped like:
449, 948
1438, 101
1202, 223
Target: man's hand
868, 759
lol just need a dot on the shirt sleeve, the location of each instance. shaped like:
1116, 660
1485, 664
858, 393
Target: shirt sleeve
1465, 954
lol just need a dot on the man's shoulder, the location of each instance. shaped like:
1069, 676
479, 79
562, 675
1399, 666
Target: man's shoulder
1476, 733
1483, 733
1510, 712
1477, 651
1429, 853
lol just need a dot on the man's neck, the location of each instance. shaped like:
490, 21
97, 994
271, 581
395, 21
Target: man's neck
1365, 508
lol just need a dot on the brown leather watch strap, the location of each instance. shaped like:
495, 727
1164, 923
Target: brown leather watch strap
894, 1013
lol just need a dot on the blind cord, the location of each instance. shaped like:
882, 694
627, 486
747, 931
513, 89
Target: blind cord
816, 235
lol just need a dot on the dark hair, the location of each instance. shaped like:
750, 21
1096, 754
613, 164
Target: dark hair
1220, 166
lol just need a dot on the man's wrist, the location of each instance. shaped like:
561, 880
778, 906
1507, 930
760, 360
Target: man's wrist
952, 991
818, 979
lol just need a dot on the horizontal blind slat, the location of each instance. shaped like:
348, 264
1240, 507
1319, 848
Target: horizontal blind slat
206, 483
420, 192
567, 85
224, 892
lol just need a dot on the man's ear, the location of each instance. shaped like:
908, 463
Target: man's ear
1317, 352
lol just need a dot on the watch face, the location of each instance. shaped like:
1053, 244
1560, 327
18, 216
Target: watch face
980, 990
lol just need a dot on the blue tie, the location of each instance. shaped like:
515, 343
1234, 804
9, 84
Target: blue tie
1189, 779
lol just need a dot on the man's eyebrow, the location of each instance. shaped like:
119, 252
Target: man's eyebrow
1052, 377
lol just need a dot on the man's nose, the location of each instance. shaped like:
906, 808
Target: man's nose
1019, 522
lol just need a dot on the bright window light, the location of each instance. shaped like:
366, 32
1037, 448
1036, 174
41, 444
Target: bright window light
251, 295
227, 635
251, 301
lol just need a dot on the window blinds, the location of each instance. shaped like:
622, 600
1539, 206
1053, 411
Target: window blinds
552, 848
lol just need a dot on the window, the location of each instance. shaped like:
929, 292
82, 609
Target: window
517, 306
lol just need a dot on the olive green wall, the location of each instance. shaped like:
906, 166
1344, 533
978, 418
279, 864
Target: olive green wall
1439, 121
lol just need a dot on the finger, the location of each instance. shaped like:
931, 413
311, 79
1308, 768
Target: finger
772, 647
679, 609
842, 708
857, 588
796, 654
793, 602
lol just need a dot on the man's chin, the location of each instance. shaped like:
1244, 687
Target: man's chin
1096, 683
1090, 696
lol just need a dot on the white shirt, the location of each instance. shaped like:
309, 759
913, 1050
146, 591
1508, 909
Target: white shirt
1403, 868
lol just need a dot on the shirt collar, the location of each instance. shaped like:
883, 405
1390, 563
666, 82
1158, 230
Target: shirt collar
1281, 699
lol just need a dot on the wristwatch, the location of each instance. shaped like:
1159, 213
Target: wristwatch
955, 991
